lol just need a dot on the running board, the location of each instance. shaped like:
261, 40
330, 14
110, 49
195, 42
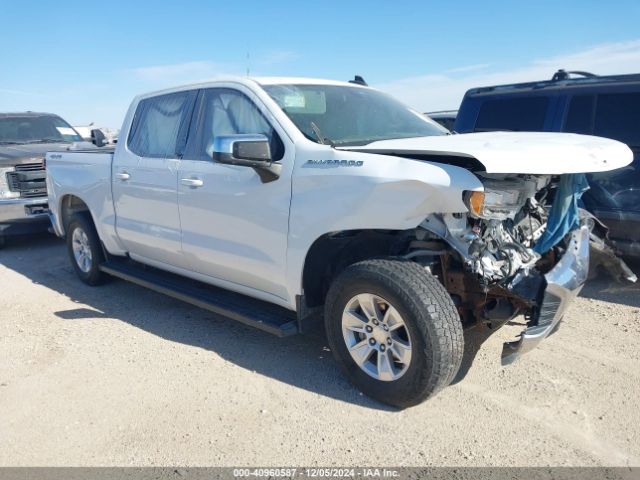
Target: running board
250, 311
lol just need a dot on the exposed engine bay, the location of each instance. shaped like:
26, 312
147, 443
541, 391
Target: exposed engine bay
491, 249
497, 237
506, 226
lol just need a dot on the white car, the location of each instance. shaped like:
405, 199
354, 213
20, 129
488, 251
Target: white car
269, 200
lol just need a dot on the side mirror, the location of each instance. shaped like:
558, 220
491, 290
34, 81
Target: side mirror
248, 150
98, 138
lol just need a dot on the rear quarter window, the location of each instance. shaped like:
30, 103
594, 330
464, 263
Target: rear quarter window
514, 114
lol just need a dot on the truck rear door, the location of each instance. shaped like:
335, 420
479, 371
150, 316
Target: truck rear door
145, 177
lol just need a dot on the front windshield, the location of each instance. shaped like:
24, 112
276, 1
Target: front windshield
36, 129
344, 116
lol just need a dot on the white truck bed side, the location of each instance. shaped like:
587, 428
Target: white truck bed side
87, 176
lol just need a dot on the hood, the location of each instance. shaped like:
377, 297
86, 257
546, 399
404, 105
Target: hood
33, 152
512, 152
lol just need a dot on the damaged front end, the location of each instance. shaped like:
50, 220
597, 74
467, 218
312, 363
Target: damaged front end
520, 249
561, 284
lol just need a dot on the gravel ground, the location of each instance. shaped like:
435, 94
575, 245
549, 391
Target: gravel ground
119, 375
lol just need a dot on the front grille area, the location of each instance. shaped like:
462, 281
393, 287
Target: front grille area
29, 180
30, 167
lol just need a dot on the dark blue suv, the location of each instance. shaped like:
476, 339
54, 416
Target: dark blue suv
577, 102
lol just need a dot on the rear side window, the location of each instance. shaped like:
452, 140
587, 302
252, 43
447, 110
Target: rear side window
157, 124
515, 114
580, 115
618, 117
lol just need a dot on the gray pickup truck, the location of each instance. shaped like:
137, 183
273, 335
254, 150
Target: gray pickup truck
24, 140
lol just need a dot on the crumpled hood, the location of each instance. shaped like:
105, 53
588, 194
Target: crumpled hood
515, 152
23, 153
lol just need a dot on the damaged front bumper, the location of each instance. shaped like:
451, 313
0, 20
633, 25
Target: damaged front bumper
563, 283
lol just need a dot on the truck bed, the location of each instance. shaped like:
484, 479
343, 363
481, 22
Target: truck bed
85, 174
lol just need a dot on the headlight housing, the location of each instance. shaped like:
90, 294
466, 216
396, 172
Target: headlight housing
474, 202
494, 204
5, 193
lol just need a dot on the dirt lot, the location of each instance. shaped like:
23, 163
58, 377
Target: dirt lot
118, 375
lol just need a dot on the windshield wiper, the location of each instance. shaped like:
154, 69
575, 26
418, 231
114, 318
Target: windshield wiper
323, 140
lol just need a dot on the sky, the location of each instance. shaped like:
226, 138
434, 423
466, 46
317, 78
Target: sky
86, 60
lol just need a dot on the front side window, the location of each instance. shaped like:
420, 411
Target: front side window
524, 114
157, 123
230, 112
345, 116
36, 129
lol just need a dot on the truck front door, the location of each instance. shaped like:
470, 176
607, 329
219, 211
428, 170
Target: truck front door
145, 177
234, 225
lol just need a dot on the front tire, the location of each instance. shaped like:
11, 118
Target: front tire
85, 249
394, 330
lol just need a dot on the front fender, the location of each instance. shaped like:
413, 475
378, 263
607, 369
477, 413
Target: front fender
337, 190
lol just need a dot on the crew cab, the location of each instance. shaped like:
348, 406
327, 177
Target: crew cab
271, 200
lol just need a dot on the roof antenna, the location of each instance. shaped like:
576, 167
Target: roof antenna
248, 65
358, 80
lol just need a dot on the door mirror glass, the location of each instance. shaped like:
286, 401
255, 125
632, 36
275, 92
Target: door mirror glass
251, 150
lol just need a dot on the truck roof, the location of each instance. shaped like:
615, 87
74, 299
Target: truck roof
300, 81
252, 81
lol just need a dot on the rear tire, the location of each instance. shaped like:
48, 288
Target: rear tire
85, 249
408, 342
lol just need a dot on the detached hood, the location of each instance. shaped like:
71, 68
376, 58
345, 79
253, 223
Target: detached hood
512, 152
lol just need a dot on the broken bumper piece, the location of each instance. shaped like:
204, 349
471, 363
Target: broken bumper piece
563, 283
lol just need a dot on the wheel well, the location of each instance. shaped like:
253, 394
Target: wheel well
71, 205
332, 253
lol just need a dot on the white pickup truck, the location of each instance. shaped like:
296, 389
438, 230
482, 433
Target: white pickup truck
269, 200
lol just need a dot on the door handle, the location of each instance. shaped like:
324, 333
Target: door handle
123, 176
192, 182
